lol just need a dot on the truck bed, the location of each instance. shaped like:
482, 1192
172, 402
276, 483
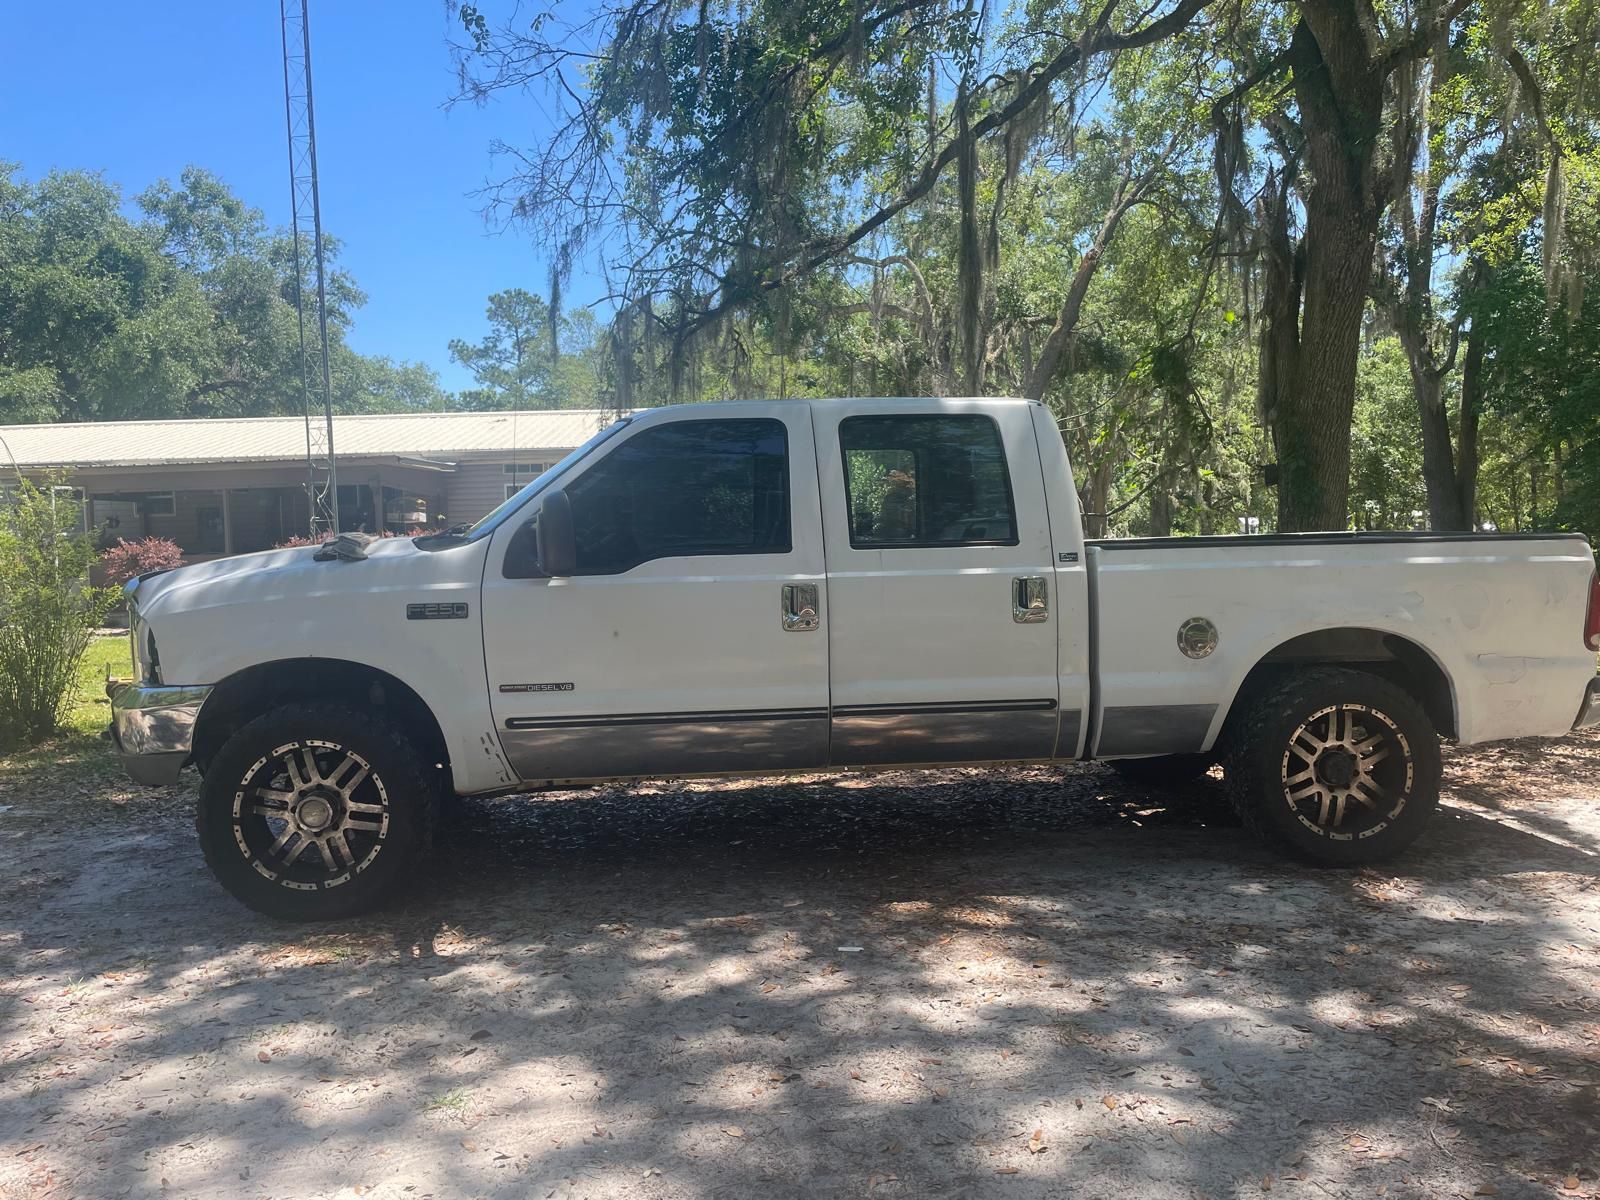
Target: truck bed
1474, 613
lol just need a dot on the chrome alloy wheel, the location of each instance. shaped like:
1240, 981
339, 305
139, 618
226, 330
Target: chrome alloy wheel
310, 815
1347, 772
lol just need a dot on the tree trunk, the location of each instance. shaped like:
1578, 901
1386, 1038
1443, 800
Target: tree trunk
1438, 459
1061, 333
1280, 312
1467, 435
970, 318
1161, 509
1338, 79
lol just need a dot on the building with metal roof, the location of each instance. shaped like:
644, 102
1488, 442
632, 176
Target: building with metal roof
231, 485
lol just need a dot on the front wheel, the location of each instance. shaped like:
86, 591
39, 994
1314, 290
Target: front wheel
1336, 766
314, 812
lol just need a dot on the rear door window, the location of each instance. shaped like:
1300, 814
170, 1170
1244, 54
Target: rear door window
926, 480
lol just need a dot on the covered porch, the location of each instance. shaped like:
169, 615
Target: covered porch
214, 512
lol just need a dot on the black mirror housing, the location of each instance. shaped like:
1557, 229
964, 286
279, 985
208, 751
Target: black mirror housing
555, 538
546, 546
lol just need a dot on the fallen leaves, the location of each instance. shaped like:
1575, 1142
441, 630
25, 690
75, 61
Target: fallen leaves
733, 1131
1036, 1144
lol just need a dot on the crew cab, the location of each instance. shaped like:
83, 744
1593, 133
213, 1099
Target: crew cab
764, 587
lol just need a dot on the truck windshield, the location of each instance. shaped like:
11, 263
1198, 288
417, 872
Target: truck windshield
458, 535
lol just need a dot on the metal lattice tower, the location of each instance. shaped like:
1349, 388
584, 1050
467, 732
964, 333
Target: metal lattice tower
316, 384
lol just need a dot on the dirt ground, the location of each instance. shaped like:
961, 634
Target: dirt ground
1029, 983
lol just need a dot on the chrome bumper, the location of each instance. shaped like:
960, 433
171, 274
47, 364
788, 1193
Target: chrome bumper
153, 729
1589, 714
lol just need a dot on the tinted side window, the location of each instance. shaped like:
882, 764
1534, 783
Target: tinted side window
691, 487
927, 481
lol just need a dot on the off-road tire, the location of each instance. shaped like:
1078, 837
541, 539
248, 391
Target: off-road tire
381, 845
1391, 800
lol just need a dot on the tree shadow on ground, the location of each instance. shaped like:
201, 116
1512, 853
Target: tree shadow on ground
1031, 982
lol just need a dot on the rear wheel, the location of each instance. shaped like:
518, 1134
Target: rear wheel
1335, 766
314, 812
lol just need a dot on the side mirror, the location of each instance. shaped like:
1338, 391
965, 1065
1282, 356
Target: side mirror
556, 540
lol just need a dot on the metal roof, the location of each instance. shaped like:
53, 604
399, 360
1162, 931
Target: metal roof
283, 439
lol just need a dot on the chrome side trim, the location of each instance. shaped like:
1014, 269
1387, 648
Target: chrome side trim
153, 728
1589, 711
945, 706
644, 744
1154, 729
668, 718
956, 731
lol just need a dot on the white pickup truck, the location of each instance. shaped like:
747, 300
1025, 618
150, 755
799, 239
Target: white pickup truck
790, 585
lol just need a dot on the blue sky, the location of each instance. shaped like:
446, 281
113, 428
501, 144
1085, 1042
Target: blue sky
139, 91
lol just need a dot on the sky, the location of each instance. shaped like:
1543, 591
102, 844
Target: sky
139, 91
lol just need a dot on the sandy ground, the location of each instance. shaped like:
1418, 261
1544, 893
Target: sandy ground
1032, 983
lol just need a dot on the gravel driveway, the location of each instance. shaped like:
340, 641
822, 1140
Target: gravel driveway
1022, 983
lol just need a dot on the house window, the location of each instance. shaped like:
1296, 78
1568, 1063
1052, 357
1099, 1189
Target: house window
158, 504
521, 474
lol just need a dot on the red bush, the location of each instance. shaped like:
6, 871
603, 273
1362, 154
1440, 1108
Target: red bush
127, 559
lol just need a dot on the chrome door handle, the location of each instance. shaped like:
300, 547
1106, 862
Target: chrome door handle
1030, 600
800, 607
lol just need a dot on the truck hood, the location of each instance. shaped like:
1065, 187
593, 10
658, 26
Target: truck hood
296, 572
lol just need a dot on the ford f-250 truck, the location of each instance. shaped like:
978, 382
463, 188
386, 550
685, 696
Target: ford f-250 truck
790, 585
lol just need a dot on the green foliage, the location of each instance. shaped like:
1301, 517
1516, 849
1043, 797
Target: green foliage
785, 196
532, 357
1542, 381
188, 311
1385, 451
48, 609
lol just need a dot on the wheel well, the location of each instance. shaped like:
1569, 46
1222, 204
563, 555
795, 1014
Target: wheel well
1399, 660
249, 693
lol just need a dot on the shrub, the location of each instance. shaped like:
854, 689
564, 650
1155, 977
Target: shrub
127, 559
48, 610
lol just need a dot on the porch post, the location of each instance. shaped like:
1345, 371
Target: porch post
227, 521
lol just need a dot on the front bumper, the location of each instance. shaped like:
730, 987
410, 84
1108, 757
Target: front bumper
1589, 714
153, 729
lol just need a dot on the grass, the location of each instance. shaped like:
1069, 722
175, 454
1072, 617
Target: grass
453, 1101
78, 754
